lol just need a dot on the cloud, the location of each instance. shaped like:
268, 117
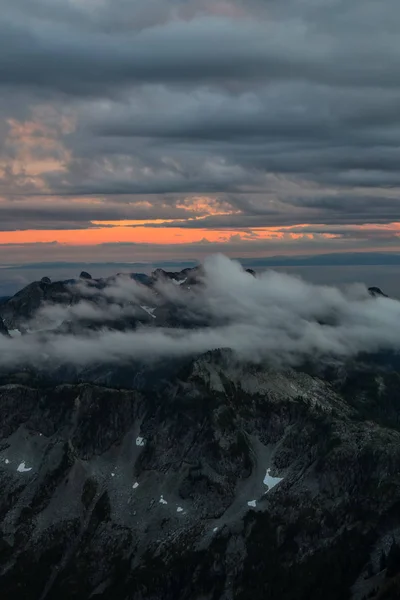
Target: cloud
120, 288
286, 113
62, 214
274, 317
80, 51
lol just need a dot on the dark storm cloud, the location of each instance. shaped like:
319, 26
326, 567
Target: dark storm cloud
63, 55
280, 112
336, 210
101, 186
68, 215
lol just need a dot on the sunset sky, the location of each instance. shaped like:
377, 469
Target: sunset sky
155, 130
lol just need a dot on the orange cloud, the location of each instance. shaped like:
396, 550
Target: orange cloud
87, 237
148, 235
35, 147
120, 232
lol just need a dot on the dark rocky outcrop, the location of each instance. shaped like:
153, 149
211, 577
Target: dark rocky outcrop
187, 276
376, 292
85, 275
3, 328
159, 493
19, 309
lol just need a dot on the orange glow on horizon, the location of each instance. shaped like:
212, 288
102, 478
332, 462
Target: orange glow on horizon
137, 232
140, 234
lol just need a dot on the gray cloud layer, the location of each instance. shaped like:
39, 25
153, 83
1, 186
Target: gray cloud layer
282, 113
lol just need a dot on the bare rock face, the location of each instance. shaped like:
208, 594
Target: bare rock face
3, 328
188, 276
19, 309
223, 481
376, 292
85, 275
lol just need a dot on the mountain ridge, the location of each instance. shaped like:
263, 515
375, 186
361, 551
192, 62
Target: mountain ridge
127, 463
196, 476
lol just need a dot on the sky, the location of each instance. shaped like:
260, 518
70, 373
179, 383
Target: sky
164, 130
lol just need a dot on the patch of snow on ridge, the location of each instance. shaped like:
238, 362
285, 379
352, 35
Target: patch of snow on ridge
252, 503
162, 501
14, 332
179, 282
271, 481
22, 469
135, 485
149, 310
179, 509
140, 441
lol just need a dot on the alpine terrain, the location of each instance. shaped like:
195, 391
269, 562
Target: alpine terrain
196, 436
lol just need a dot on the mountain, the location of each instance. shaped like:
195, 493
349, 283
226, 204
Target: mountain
221, 481
21, 307
18, 311
3, 328
192, 477
375, 291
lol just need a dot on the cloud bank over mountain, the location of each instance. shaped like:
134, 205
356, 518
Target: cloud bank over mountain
273, 317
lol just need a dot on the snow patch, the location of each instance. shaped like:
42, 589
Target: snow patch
215, 529
162, 501
22, 469
14, 332
252, 503
150, 310
179, 509
271, 481
140, 441
112, 474
7, 461
135, 485
179, 281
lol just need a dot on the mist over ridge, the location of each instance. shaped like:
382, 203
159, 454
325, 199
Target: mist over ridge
271, 316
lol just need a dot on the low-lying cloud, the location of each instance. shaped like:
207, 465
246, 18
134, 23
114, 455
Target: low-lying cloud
273, 317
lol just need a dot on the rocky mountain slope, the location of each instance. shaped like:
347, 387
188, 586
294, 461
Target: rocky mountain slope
3, 328
18, 311
196, 478
222, 482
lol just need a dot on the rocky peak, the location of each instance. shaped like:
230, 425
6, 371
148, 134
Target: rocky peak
376, 292
85, 275
21, 307
161, 274
45, 280
3, 328
187, 276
